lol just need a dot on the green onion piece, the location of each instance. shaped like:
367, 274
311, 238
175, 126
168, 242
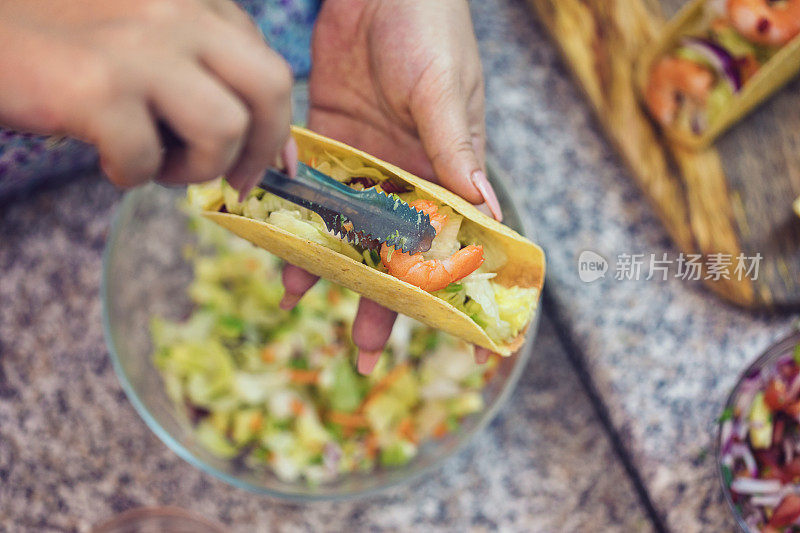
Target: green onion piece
727, 414
727, 475
231, 325
454, 287
299, 363
477, 320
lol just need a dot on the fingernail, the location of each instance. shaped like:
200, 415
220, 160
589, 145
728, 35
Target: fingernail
481, 355
481, 182
288, 301
367, 360
289, 157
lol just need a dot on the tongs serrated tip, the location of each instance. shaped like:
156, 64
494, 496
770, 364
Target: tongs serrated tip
366, 218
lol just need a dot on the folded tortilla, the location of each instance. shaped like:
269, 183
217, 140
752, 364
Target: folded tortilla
524, 266
773, 75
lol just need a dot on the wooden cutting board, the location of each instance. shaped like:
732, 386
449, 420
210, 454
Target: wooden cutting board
733, 198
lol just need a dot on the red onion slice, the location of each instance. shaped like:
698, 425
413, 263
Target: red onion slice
740, 450
722, 61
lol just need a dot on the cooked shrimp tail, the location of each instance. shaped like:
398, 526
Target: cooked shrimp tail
765, 21
675, 80
431, 274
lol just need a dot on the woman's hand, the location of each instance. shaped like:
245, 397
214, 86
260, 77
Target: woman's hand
400, 79
115, 72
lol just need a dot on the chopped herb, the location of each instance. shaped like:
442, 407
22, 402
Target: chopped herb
727, 414
316, 460
797, 354
299, 363
282, 425
452, 423
231, 325
727, 475
454, 287
432, 342
475, 318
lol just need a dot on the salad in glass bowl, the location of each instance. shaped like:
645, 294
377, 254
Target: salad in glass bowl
212, 365
278, 389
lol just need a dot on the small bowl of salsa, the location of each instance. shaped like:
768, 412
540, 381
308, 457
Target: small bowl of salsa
758, 442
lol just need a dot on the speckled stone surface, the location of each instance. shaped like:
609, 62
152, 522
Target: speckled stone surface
663, 354
73, 451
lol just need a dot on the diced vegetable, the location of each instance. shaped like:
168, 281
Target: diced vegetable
760, 423
718, 57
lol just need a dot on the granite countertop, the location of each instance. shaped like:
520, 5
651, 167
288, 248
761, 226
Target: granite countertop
609, 428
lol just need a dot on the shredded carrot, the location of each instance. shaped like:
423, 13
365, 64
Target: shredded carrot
330, 349
297, 407
257, 422
268, 354
440, 430
252, 264
303, 377
395, 374
334, 296
348, 420
406, 429
371, 445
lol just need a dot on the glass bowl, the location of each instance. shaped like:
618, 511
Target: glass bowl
144, 274
766, 360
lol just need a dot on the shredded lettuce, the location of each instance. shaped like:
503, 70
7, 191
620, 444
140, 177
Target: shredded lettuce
718, 100
513, 305
694, 56
446, 242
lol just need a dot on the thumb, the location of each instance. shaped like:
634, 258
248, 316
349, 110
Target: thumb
443, 125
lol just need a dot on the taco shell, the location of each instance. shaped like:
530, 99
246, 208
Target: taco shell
773, 75
524, 267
